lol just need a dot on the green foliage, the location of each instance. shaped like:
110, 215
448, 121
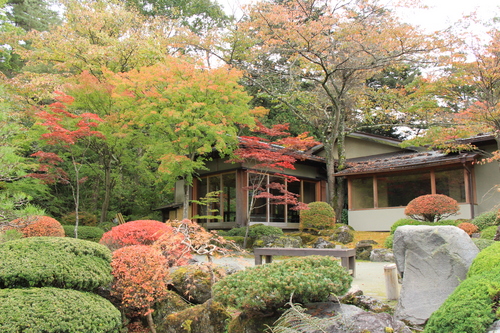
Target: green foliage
11, 234
389, 241
489, 232
402, 222
255, 231
469, 309
93, 234
54, 261
84, 219
482, 243
319, 216
53, 310
487, 260
431, 207
485, 220
268, 287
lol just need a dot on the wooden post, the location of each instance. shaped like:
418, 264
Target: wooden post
391, 282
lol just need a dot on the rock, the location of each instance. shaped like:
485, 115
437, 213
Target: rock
278, 241
495, 327
382, 255
323, 244
193, 281
209, 317
367, 303
171, 304
432, 261
244, 323
343, 235
363, 250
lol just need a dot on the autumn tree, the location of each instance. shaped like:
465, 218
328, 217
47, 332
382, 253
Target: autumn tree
186, 112
271, 155
64, 130
314, 57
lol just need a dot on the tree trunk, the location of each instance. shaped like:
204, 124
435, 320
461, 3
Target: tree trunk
151, 324
341, 165
185, 205
107, 192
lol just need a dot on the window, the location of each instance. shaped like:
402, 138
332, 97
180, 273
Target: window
225, 204
264, 210
396, 190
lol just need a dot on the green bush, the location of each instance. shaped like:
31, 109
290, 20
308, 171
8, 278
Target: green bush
482, 243
268, 287
254, 231
53, 310
487, 260
402, 222
84, 218
485, 220
389, 241
9, 235
489, 232
54, 261
93, 234
319, 216
470, 308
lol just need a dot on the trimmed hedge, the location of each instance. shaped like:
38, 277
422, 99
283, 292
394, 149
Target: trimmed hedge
254, 231
54, 261
486, 261
269, 287
93, 234
53, 310
489, 232
319, 216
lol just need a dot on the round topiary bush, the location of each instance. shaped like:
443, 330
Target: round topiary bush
431, 207
402, 222
37, 226
140, 232
54, 261
254, 231
269, 287
485, 220
318, 216
469, 228
93, 234
487, 260
489, 232
53, 310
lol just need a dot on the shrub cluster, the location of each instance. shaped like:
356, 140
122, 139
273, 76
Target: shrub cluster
93, 234
37, 226
140, 232
254, 231
485, 220
268, 287
431, 207
318, 216
489, 232
54, 261
84, 219
53, 310
471, 307
469, 228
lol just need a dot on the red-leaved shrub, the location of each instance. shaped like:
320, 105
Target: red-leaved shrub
38, 226
469, 228
140, 232
173, 247
431, 207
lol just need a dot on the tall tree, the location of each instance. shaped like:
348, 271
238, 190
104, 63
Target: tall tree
185, 112
314, 57
32, 14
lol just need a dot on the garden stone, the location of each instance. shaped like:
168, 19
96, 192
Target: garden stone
367, 303
323, 244
432, 261
343, 235
495, 327
278, 241
193, 282
363, 250
382, 255
170, 304
209, 317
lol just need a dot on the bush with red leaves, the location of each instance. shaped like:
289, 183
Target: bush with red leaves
140, 232
431, 207
469, 228
38, 226
174, 248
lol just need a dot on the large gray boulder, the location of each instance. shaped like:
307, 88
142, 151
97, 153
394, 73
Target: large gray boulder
432, 261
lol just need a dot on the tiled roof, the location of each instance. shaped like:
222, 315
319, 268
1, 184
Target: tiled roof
402, 161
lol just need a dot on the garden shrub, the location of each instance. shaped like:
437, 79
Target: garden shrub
93, 234
254, 231
172, 247
53, 310
489, 232
482, 243
389, 241
402, 222
431, 207
84, 219
140, 232
469, 228
319, 216
487, 260
485, 220
55, 262
269, 287
37, 226
9, 235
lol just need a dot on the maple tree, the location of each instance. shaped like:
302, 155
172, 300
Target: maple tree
65, 130
271, 153
140, 232
314, 57
141, 274
431, 207
185, 111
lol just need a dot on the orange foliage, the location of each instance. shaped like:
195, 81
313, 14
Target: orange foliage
431, 207
469, 228
141, 274
140, 232
173, 248
37, 226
